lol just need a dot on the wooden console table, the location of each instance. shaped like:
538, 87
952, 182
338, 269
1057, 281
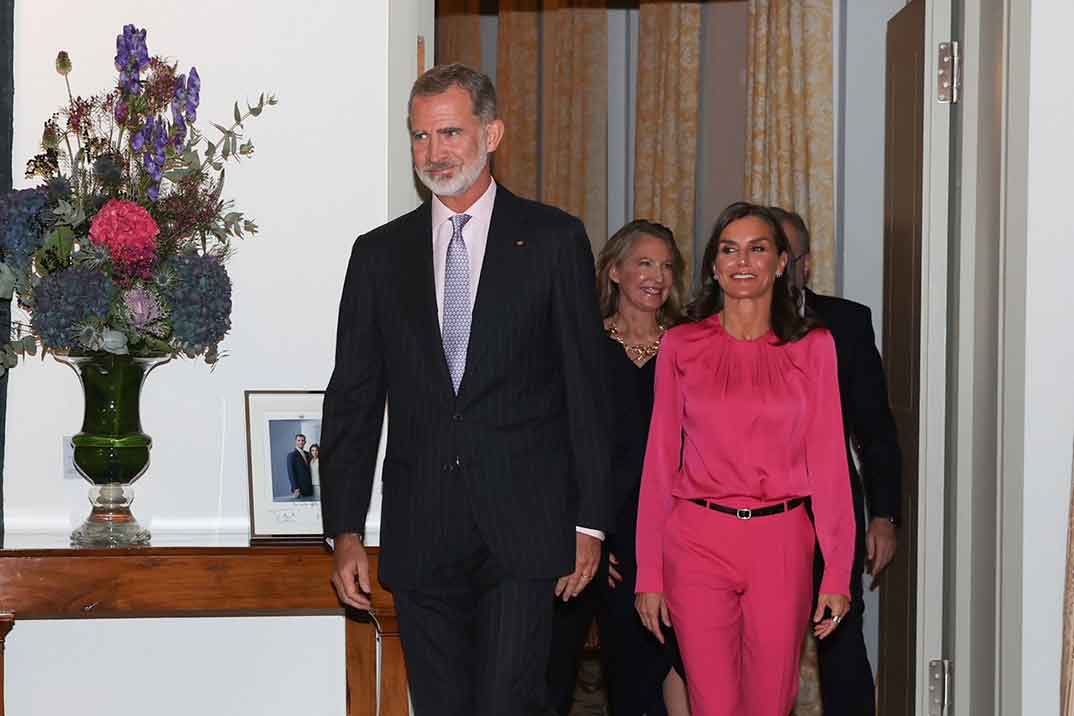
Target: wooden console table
166, 581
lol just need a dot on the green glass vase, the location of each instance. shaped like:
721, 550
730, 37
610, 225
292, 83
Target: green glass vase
111, 451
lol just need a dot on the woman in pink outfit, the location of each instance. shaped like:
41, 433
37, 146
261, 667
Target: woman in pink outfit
746, 434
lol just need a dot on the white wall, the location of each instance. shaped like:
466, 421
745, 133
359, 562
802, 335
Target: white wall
1049, 397
862, 151
320, 177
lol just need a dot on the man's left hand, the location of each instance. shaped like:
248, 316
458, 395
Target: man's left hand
880, 544
586, 560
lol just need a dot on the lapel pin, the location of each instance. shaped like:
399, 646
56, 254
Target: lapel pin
520, 242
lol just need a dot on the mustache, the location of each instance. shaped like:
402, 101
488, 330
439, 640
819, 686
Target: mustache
438, 166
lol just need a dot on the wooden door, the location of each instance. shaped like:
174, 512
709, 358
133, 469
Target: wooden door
904, 130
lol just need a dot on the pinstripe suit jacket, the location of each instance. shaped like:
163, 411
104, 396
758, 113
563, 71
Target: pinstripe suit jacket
527, 435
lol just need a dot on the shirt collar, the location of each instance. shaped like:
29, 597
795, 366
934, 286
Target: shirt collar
480, 210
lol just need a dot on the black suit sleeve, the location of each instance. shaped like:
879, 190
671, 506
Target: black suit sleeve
578, 324
353, 402
872, 426
291, 470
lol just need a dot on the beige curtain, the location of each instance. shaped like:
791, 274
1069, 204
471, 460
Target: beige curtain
669, 76
517, 51
1066, 685
789, 125
574, 112
458, 32
552, 79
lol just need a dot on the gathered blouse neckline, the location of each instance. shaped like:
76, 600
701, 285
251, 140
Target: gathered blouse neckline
716, 320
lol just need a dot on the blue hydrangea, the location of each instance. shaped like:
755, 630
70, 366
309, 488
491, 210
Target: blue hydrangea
198, 292
66, 301
22, 227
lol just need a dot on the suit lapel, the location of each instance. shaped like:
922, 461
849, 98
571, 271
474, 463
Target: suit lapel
418, 266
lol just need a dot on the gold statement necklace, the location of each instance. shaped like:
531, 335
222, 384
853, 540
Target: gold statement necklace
639, 353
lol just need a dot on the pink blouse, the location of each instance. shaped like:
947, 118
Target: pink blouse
755, 423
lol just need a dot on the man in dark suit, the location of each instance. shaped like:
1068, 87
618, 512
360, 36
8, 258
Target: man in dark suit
846, 681
298, 469
475, 316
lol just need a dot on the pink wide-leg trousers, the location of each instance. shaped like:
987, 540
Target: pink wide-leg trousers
740, 596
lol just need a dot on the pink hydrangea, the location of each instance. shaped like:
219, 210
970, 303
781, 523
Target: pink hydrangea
129, 233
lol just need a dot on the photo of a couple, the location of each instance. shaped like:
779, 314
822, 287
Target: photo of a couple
296, 460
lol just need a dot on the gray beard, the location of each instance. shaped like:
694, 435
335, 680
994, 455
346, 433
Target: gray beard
461, 182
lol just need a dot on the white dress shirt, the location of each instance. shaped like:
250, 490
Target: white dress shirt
475, 234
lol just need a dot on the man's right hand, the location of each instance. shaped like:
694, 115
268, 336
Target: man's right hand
350, 575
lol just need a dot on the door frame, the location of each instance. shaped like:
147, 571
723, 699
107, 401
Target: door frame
932, 431
1012, 358
985, 422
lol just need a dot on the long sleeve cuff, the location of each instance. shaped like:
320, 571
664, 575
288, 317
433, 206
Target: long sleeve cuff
592, 533
835, 581
650, 579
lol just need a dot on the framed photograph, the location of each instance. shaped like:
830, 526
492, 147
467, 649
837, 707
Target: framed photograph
283, 432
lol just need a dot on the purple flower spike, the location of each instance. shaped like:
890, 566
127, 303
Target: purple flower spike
138, 140
132, 57
193, 95
122, 109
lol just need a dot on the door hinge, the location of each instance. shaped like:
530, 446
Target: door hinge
939, 686
949, 79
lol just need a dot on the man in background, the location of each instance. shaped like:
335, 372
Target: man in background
298, 469
846, 679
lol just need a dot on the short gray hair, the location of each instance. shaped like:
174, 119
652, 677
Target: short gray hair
443, 77
794, 219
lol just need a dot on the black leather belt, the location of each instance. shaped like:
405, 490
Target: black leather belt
748, 514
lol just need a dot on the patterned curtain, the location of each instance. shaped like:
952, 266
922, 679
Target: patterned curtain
516, 162
552, 79
574, 112
1066, 684
458, 32
789, 125
669, 54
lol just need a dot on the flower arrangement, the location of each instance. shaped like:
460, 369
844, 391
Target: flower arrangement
121, 247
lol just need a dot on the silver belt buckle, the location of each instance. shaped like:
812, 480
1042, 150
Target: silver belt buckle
744, 514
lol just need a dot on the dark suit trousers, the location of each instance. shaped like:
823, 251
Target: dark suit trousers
635, 664
846, 680
476, 640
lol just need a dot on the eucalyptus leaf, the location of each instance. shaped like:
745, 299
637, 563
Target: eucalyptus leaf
55, 252
238, 115
114, 342
7, 282
175, 175
68, 213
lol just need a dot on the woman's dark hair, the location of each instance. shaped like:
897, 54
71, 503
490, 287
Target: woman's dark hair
315, 445
618, 247
787, 323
